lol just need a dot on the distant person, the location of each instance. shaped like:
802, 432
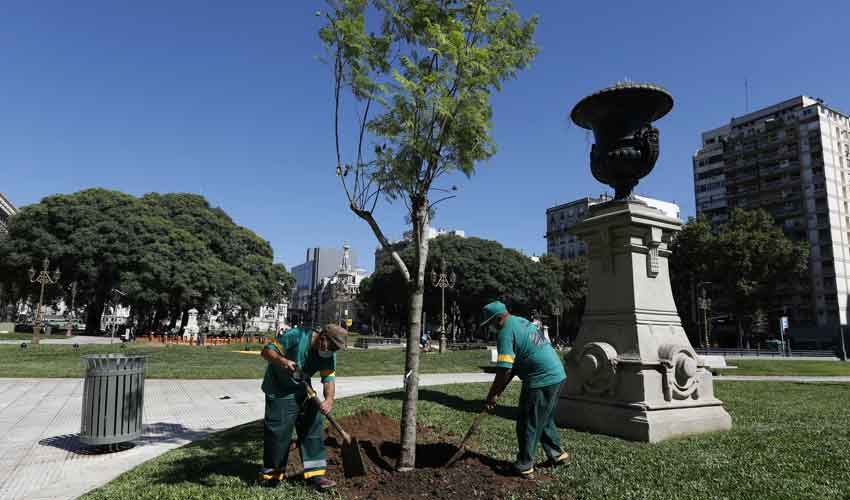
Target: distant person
308, 351
522, 350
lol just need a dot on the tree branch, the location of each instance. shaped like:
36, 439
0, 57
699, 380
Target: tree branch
441, 199
385, 243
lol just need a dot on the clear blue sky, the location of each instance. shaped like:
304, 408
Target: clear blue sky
228, 99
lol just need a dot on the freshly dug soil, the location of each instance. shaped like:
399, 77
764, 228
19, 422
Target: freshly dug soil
473, 476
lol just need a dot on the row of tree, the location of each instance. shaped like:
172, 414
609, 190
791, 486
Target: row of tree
167, 252
485, 271
748, 266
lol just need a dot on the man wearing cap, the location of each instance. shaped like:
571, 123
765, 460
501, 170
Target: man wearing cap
310, 351
524, 351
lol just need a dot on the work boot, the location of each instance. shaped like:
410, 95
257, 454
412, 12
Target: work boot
562, 459
513, 470
321, 483
270, 478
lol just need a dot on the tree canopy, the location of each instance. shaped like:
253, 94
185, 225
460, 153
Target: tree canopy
485, 271
167, 252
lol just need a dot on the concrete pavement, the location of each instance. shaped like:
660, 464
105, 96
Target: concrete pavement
79, 339
40, 422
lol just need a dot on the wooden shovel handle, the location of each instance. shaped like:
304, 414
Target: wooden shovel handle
345, 436
311, 394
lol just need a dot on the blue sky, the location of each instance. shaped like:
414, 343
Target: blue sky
228, 99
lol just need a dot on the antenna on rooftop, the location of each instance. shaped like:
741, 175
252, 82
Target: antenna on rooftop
746, 96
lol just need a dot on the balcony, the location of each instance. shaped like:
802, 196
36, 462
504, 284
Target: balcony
770, 186
742, 191
786, 211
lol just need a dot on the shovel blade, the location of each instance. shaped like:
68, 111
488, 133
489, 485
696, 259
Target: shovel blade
352, 459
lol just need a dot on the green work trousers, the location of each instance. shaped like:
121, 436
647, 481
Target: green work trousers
282, 415
536, 424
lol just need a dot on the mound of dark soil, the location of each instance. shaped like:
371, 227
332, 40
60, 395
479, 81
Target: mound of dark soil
473, 476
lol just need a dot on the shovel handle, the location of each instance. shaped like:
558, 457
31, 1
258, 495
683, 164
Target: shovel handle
311, 394
345, 436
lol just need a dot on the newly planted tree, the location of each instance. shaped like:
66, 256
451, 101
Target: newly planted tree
420, 75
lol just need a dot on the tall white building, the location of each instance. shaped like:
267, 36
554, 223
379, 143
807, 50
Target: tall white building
7, 210
791, 159
560, 218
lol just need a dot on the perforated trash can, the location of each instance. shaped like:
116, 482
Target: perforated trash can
113, 399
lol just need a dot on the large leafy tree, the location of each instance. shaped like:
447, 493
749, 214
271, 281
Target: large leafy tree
85, 234
485, 271
168, 253
422, 73
573, 284
746, 260
691, 264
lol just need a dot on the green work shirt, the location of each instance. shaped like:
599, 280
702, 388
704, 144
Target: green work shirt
524, 348
294, 345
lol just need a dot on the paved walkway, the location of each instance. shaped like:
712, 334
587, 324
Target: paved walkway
79, 339
40, 424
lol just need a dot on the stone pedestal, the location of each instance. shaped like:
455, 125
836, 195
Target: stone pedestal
633, 373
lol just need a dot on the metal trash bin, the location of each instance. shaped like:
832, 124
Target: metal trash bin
113, 399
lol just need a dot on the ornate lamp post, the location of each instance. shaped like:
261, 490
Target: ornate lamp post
278, 296
455, 312
556, 311
42, 278
704, 303
443, 281
71, 314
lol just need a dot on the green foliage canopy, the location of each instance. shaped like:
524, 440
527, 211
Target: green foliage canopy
168, 252
485, 271
746, 260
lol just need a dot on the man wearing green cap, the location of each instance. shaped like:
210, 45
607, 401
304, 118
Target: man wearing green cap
308, 351
524, 351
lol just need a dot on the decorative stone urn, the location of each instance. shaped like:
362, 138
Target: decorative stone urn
190, 333
632, 373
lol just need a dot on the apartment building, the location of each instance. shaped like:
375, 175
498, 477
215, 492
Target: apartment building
791, 159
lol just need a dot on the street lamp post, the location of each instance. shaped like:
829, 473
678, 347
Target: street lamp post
704, 303
42, 278
278, 296
72, 315
443, 281
455, 318
556, 311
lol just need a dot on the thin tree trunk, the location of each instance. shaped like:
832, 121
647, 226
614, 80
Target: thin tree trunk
407, 458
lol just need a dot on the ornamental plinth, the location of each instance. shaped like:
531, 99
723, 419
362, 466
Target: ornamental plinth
632, 373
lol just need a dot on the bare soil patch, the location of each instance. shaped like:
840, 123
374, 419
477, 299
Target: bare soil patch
473, 476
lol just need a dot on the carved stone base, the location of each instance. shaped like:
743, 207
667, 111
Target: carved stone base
633, 373
638, 424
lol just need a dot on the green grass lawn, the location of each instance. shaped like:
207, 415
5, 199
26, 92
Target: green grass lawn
789, 441
782, 367
187, 362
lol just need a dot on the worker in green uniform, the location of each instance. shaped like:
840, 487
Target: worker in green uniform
524, 351
310, 351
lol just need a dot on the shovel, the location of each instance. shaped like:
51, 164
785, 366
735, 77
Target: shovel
461, 448
352, 459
